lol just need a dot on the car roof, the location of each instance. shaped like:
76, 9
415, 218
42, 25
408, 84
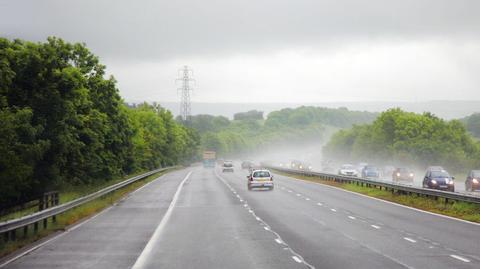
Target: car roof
260, 170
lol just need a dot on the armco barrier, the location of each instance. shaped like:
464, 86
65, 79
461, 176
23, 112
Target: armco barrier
8, 228
406, 189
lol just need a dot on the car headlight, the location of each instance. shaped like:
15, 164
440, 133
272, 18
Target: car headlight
411, 174
310, 167
475, 181
301, 167
449, 181
434, 181
398, 174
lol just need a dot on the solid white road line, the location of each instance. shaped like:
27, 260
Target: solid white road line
141, 260
410, 240
459, 258
266, 228
297, 259
278, 240
375, 226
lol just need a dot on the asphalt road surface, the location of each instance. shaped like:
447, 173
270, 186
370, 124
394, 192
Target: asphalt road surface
203, 218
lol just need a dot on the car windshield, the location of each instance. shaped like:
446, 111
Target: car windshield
476, 173
348, 167
402, 170
227, 164
261, 174
440, 174
370, 169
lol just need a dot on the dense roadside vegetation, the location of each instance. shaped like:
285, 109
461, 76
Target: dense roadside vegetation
409, 138
472, 123
250, 131
63, 122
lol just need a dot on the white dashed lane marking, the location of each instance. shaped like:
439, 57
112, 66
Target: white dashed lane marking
351, 217
320, 204
297, 259
375, 226
459, 258
333, 209
410, 240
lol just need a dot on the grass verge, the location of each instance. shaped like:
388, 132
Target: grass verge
70, 192
461, 210
72, 216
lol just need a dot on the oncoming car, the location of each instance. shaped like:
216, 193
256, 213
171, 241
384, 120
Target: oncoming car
402, 174
299, 165
348, 170
438, 179
227, 166
473, 181
260, 179
370, 171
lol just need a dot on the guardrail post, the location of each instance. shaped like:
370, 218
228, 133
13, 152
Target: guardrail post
55, 200
35, 227
13, 235
25, 231
5, 237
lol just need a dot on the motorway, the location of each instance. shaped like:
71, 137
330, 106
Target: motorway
202, 218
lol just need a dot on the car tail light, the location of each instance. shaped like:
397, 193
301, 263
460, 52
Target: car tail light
475, 181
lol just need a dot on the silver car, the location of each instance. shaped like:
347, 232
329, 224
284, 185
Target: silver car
260, 179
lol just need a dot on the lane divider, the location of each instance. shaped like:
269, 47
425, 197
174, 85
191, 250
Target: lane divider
295, 256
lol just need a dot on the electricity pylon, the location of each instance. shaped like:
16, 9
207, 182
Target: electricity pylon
185, 107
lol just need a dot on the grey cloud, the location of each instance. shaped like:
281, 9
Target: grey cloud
168, 29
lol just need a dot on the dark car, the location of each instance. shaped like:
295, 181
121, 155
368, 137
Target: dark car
370, 171
227, 166
473, 181
439, 179
299, 165
247, 164
402, 174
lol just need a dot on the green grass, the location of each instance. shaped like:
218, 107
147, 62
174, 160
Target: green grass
72, 216
461, 210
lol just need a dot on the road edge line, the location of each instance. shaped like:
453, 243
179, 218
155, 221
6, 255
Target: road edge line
72, 228
142, 258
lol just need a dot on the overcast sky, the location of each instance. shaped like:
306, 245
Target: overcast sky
270, 51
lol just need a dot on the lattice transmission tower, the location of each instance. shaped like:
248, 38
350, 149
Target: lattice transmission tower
185, 74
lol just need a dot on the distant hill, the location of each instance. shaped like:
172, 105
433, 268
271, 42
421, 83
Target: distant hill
444, 109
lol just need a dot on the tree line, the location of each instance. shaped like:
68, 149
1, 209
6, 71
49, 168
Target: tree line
64, 122
249, 131
413, 139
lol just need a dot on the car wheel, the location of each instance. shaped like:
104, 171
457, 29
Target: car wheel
271, 188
